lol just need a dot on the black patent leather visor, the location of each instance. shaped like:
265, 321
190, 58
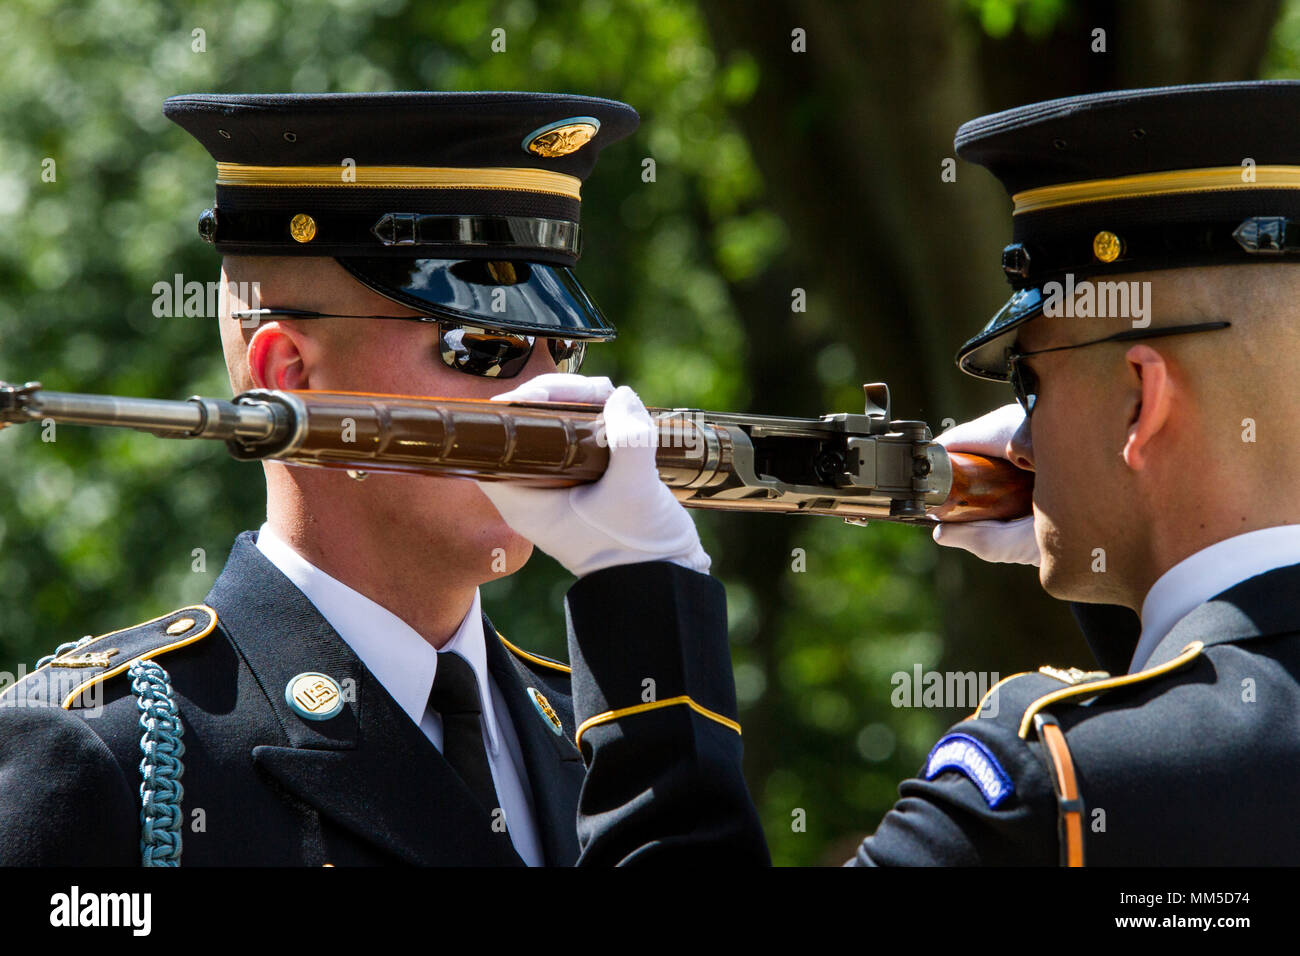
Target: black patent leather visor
511, 295
985, 354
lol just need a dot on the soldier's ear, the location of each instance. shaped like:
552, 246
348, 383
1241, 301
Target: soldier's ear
277, 357
1152, 394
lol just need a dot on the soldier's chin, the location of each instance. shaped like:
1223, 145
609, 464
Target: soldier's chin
511, 554
1063, 580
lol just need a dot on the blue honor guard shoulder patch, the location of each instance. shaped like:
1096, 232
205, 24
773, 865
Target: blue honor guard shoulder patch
965, 754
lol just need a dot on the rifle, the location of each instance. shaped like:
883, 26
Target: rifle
858, 467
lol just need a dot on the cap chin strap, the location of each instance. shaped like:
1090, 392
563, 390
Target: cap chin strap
444, 236
513, 232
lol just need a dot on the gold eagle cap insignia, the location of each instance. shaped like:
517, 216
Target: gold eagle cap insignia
561, 140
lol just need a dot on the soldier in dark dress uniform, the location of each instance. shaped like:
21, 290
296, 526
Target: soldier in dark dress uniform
1155, 262
339, 697
1151, 342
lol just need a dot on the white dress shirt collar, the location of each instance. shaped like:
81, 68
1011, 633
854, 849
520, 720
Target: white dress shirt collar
1207, 573
401, 660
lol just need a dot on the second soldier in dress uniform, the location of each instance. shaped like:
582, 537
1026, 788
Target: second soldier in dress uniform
340, 697
1160, 426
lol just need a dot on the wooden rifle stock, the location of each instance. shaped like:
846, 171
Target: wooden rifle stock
986, 488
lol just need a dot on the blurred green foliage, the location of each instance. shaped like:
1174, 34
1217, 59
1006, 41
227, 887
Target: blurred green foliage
1035, 17
1283, 59
99, 530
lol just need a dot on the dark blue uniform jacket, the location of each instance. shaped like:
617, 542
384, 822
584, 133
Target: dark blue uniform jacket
263, 786
1195, 760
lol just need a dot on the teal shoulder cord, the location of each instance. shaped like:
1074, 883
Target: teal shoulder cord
161, 768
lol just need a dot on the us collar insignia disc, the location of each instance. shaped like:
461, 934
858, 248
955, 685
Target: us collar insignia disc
314, 696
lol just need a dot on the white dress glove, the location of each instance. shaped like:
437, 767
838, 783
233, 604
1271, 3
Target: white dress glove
626, 517
1001, 542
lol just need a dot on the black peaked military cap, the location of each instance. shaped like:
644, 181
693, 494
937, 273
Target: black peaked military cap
460, 205
1137, 180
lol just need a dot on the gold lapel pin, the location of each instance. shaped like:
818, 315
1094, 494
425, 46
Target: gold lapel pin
546, 710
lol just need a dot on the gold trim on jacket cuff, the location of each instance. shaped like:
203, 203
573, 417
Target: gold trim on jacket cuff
609, 715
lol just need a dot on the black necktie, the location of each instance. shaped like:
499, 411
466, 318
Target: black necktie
455, 697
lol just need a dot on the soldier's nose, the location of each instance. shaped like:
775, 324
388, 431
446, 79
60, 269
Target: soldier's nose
1020, 447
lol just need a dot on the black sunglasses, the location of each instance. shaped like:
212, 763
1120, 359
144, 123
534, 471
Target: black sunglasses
1025, 383
472, 349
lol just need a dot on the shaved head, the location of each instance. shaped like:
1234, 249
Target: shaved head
1149, 450
1256, 363
250, 282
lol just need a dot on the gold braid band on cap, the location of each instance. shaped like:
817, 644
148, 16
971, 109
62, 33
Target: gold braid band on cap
1157, 184
402, 177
